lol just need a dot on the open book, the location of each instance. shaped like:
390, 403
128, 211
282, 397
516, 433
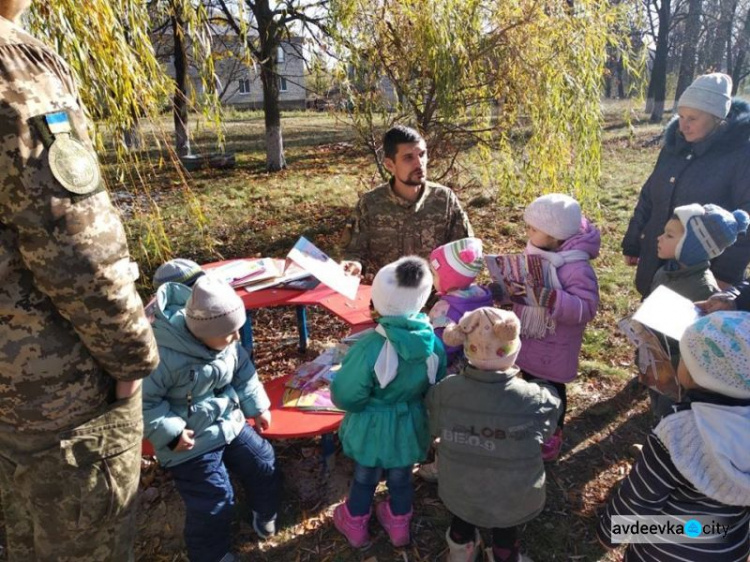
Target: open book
653, 358
310, 387
240, 273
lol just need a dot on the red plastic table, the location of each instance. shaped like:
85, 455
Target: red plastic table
288, 423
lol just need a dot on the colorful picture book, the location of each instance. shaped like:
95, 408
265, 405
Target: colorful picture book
313, 260
310, 387
654, 362
517, 273
240, 273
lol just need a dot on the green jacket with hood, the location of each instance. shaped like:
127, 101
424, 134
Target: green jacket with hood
195, 387
388, 427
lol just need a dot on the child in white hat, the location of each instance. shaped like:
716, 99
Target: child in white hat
555, 309
491, 423
381, 386
696, 462
195, 407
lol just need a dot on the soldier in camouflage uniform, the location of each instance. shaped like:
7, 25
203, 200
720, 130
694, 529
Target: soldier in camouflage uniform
74, 340
406, 216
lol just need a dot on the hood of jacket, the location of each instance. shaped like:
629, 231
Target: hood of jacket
412, 336
706, 443
169, 325
588, 239
732, 135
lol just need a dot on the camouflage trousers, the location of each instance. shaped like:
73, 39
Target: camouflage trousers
71, 496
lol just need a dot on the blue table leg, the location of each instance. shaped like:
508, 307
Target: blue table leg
302, 327
327, 452
246, 335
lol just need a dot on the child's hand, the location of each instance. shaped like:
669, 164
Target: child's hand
717, 302
263, 421
631, 260
352, 268
186, 441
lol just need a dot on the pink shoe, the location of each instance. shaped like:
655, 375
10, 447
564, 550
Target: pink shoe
397, 526
551, 447
354, 528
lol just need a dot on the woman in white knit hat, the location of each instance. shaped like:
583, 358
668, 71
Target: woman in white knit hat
705, 159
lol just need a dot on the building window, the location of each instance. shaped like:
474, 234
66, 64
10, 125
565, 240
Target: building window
245, 86
280, 55
282, 84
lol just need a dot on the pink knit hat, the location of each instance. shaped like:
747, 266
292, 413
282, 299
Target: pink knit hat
456, 264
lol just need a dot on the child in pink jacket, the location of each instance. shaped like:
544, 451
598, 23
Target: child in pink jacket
552, 328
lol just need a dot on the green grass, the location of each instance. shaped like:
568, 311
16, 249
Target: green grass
247, 212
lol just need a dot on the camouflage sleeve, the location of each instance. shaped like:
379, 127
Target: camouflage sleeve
460, 227
358, 233
73, 246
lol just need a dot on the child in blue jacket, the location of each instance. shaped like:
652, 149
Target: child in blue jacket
195, 406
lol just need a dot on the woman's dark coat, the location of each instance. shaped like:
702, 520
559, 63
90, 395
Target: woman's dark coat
715, 170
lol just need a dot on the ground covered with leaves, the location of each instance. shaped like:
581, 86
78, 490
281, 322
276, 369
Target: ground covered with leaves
246, 212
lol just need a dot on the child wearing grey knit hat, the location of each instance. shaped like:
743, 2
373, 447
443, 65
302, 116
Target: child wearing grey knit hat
195, 407
178, 270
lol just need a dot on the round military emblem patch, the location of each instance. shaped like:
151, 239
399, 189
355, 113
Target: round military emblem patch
73, 165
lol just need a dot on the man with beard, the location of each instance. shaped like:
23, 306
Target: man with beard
406, 216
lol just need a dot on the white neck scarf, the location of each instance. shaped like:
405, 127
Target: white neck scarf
387, 362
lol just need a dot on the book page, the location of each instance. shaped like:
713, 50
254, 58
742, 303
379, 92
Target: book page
306, 255
667, 312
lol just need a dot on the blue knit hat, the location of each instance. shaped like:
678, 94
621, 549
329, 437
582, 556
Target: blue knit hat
178, 270
709, 230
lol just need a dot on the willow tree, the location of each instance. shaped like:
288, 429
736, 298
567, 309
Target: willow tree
519, 79
107, 45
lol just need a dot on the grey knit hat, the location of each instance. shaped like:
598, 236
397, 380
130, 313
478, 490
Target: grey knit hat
178, 270
711, 93
214, 309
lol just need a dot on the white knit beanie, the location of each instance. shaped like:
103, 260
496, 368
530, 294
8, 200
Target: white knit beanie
555, 214
214, 309
716, 352
711, 93
401, 288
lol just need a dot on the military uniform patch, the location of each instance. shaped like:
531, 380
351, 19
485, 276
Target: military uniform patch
71, 163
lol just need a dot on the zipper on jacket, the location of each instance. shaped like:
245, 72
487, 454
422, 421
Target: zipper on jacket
190, 392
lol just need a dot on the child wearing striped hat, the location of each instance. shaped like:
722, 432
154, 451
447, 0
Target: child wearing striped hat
454, 268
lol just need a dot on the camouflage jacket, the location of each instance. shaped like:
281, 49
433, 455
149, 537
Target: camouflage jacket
71, 321
386, 227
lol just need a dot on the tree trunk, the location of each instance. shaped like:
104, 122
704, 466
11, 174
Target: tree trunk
722, 39
659, 71
739, 60
275, 160
179, 104
688, 57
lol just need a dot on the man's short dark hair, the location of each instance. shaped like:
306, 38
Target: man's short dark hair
398, 135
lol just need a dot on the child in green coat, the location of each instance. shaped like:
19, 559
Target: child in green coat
381, 386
